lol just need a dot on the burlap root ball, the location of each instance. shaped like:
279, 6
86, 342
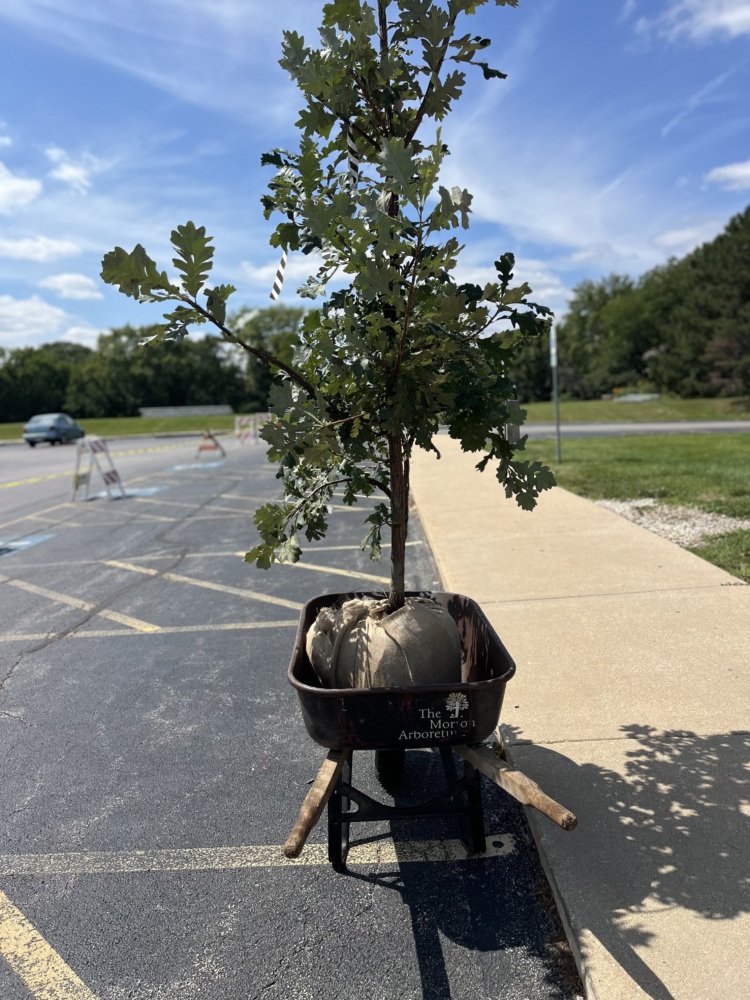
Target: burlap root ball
359, 646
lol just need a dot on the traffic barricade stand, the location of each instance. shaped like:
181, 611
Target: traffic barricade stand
243, 429
247, 428
100, 461
209, 443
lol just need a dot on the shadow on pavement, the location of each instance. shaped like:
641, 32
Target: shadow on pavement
481, 905
671, 832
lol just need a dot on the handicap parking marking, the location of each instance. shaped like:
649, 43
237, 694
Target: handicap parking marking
19, 544
36, 963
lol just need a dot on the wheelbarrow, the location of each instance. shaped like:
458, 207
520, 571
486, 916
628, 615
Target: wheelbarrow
453, 718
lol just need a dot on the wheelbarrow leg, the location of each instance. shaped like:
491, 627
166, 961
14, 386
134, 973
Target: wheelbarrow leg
471, 824
338, 805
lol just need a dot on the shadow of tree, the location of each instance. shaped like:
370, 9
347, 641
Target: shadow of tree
670, 830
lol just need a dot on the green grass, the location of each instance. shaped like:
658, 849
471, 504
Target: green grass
706, 471
666, 408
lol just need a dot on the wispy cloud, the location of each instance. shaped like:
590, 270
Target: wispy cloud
229, 38
74, 172
697, 99
72, 286
682, 240
37, 248
699, 19
15, 191
732, 177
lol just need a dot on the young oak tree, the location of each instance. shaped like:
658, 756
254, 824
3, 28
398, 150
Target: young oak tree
404, 348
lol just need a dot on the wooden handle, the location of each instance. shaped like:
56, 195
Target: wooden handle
315, 802
517, 784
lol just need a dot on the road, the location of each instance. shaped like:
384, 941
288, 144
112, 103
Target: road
154, 759
629, 428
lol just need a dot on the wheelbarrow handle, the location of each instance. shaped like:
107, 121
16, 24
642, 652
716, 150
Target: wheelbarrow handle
517, 784
315, 802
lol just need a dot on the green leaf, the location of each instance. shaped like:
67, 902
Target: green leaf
217, 301
194, 255
135, 274
488, 72
398, 167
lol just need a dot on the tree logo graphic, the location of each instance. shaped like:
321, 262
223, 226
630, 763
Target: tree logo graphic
456, 702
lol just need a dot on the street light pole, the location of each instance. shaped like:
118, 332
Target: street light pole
555, 392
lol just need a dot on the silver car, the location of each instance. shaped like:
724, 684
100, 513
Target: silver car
57, 428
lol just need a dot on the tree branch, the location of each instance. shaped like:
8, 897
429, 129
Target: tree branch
258, 352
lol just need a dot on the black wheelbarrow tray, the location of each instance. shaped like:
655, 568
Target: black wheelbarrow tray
454, 718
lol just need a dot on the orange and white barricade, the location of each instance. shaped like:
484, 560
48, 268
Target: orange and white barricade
243, 429
247, 429
209, 443
99, 461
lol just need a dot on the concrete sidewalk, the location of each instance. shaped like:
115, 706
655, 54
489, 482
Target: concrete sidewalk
631, 706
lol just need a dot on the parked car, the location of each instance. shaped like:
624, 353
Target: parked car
57, 428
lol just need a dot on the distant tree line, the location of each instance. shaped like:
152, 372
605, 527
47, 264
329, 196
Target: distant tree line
682, 328
119, 376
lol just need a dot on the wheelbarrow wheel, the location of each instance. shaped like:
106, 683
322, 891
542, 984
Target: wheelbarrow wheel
389, 768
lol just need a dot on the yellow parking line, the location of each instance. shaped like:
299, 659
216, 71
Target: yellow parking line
378, 852
209, 585
162, 630
34, 479
37, 515
135, 569
341, 572
179, 503
45, 974
76, 602
237, 591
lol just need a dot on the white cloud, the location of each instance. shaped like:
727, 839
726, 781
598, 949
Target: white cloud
700, 19
28, 321
82, 334
38, 248
75, 173
15, 192
5, 140
732, 177
72, 286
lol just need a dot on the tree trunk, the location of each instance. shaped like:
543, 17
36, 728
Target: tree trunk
399, 469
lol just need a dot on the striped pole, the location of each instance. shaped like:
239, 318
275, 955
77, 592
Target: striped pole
353, 157
279, 280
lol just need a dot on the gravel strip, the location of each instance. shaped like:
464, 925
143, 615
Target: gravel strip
685, 526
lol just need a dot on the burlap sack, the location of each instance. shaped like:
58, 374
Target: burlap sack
359, 646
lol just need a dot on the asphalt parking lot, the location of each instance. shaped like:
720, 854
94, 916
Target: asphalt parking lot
154, 760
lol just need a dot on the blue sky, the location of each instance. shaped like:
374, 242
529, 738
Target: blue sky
620, 138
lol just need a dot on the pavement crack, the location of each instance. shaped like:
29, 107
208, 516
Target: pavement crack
18, 718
